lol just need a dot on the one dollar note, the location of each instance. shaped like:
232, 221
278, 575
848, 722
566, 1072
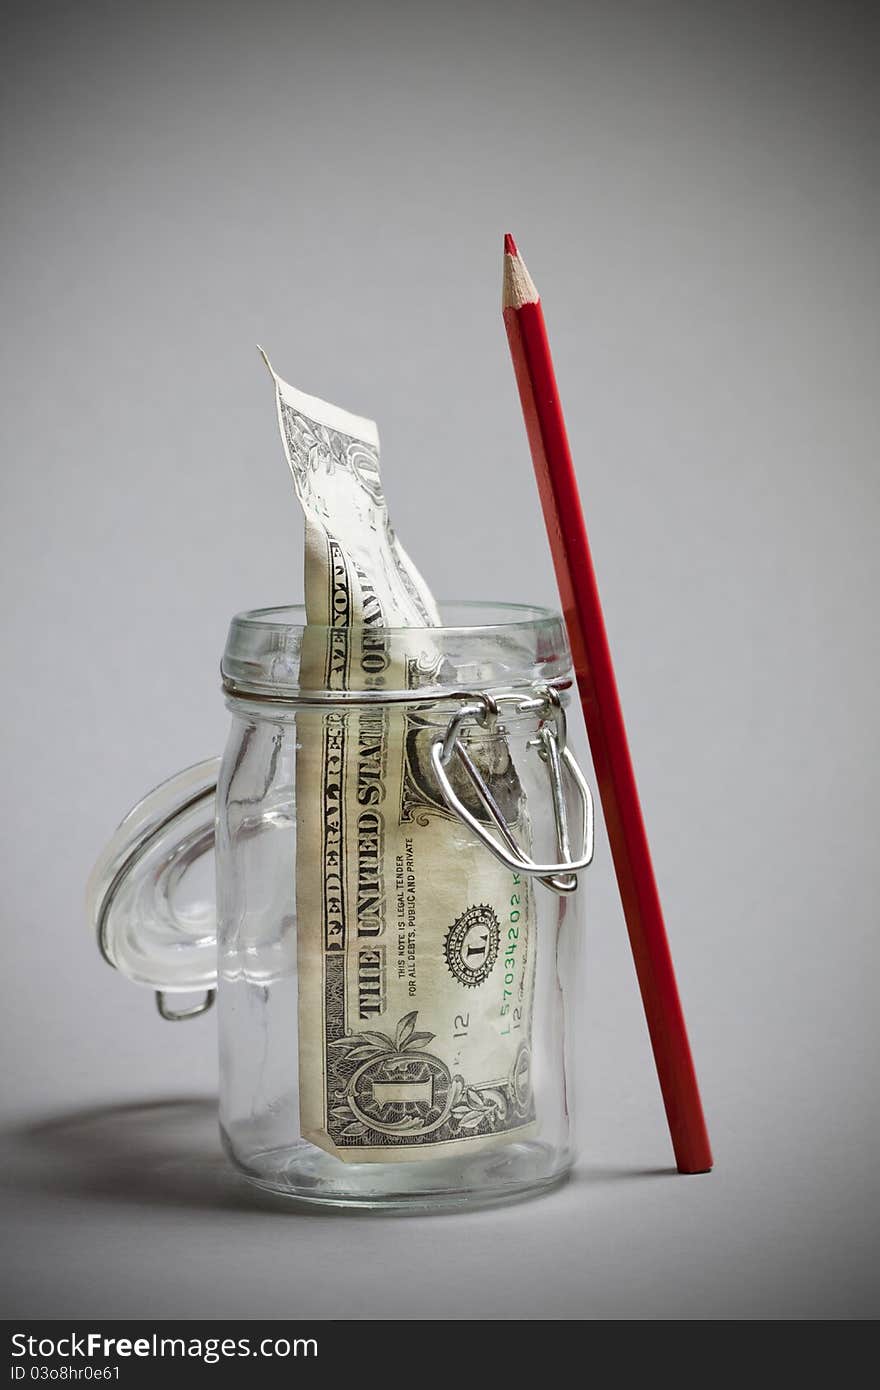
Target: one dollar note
416, 947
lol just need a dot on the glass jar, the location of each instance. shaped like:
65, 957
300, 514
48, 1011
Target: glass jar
398, 929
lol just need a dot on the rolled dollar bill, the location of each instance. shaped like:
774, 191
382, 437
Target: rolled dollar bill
416, 947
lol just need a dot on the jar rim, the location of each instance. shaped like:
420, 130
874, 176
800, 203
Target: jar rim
479, 645
527, 615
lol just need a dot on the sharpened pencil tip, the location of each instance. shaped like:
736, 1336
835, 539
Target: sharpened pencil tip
517, 287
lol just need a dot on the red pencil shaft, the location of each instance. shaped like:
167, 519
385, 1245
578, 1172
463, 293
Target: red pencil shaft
603, 715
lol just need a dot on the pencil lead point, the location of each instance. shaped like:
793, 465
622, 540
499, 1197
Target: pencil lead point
509, 245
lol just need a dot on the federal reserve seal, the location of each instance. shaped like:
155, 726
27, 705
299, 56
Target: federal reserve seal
471, 945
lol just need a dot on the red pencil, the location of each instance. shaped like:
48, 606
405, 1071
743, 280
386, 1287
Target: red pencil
557, 485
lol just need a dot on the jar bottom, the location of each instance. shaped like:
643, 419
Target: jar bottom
305, 1174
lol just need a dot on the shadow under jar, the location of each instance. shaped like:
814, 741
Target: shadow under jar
400, 823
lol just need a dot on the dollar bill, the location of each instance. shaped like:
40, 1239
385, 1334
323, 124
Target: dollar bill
416, 948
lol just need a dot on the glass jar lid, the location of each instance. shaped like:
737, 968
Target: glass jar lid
150, 898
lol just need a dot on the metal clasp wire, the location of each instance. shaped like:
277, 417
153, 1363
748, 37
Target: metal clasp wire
551, 744
181, 1015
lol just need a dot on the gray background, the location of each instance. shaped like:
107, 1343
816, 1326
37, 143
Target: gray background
695, 189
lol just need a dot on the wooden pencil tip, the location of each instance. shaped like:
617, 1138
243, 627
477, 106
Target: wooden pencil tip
518, 287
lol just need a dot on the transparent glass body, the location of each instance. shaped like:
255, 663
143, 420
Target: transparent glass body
498, 650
